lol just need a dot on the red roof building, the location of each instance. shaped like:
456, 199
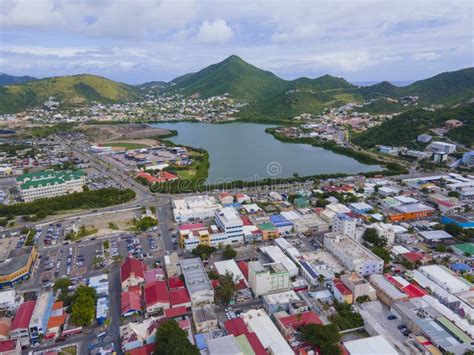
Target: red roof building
235, 327
132, 273
180, 297
130, 303
244, 268
175, 282
255, 343
246, 221
341, 292
290, 323
413, 257
22, 317
191, 226
156, 297
154, 274
147, 349
163, 176
175, 312
10, 347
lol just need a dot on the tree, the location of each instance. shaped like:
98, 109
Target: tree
453, 229
172, 340
382, 253
229, 252
454, 194
346, 318
225, 290
325, 337
203, 251
362, 299
83, 306
371, 236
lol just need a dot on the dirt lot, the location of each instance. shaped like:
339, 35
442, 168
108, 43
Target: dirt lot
121, 220
111, 132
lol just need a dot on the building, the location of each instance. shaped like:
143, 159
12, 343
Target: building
468, 158
205, 318
283, 225
345, 225
5, 328
411, 211
50, 183
21, 322
132, 273
386, 292
461, 221
444, 278
289, 323
385, 231
259, 322
172, 267
100, 284
17, 266
10, 347
372, 345
451, 124
40, 317
353, 255
224, 345
231, 267
197, 282
194, 208
268, 278
269, 231
435, 235
192, 235
276, 255
229, 221
282, 301
443, 147
341, 292
156, 297
306, 221
358, 286
424, 138
10, 301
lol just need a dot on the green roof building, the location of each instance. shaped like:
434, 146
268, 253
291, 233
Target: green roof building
50, 183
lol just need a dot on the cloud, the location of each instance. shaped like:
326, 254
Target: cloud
427, 56
214, 32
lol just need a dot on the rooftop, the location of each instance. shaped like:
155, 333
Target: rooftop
413, 208
17, 259
195, 275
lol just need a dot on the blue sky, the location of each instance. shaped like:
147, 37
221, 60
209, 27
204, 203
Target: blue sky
143, 40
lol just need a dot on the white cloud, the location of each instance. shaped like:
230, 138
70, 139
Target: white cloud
427, 56
214, 32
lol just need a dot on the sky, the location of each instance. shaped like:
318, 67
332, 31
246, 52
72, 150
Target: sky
135, 41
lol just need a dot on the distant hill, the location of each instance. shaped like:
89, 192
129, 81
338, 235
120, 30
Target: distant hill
72, 90
273, 98
233, 76
402, 130
6, 79
153, 84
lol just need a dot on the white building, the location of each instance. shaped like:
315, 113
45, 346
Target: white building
40, 317
306, 221
49, 183
194, 208
276, 255
197, 281
372, 345
9, 301
385, 230
344, 224
445, 278
268, 278
229, 221
230, 266
353, 255
260, 323
443, 147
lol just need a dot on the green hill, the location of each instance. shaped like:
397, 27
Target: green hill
73, 90
6, 79
233, 76
402, 130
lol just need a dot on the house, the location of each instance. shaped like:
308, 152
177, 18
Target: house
10, 347
132, 273
289, 323
157, 297
130, 303
21, 322
341, 292
180, 298
226, 198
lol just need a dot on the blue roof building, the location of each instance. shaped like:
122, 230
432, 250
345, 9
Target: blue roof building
460, 267
282, 224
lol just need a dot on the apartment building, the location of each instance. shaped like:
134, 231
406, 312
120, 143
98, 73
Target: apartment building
50, 183
229, 221
194, 208
344, 224
443, 147
353, 255
268, 278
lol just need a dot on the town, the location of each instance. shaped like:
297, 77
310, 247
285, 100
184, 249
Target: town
94, 261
